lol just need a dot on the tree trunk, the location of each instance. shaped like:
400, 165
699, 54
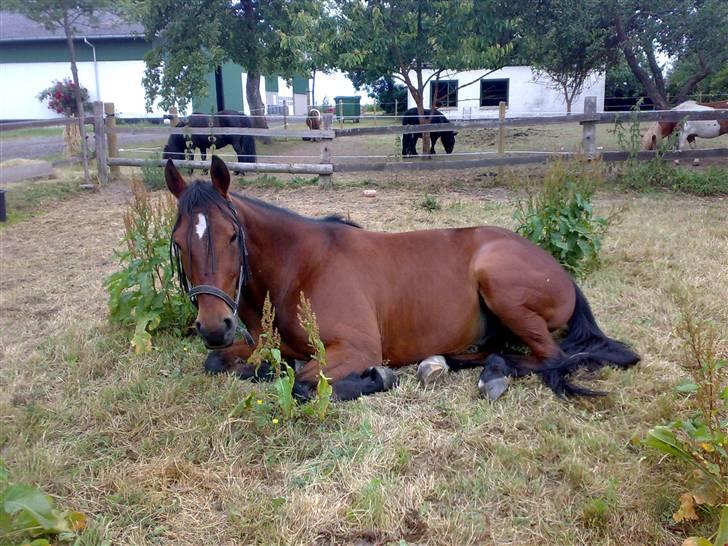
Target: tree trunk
255, 104
313, 89
650, 87
77, 93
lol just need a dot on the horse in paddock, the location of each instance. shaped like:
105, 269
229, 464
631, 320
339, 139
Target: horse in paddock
394, 297
244, 145
313, 122
409, 140
689, 130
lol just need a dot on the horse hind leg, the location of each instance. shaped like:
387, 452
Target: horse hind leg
546, 357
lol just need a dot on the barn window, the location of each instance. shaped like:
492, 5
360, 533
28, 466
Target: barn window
445, 93
493, 91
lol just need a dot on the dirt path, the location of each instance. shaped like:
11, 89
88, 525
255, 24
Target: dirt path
52, 267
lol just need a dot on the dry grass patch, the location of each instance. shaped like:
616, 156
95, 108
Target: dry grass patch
145, 443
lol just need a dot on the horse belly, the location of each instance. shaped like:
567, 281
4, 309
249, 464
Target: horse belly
432, 319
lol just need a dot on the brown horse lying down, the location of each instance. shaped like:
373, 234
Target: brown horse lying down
379, 297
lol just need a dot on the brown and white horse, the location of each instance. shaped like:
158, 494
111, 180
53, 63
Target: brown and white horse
703, 129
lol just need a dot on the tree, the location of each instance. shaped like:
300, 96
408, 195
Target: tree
64, 14
384, 90
191, 38
690, 31
567, 41
403, 39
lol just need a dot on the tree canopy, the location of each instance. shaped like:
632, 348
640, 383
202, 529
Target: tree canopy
405, 38
566, 40
191, 38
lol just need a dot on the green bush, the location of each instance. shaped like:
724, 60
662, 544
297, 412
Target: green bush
559, 216
29, 517
144, 294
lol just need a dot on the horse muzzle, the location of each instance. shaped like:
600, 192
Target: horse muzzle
219, 336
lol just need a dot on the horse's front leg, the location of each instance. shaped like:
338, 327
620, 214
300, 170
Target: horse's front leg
352, 372
231, 358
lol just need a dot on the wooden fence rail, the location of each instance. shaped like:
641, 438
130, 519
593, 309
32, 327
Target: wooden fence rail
107, 154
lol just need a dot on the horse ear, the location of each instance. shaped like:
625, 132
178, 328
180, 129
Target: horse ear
220, 176
175, 182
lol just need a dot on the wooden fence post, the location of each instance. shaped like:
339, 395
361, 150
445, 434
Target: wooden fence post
501, 128
112, 140
589, 128
326, 181
100, 143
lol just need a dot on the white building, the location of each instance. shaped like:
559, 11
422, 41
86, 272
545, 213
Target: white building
477, 93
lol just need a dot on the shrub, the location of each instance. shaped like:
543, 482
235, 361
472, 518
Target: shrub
701, 439
559, 216
143, 294
27, 514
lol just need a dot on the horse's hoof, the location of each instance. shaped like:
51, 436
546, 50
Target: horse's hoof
381, 374
431, 369
215, 363
493, 380
493, 389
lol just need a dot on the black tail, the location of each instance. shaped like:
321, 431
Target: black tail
585, 345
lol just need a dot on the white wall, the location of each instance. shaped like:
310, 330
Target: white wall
334, 85
120, 82
527, 93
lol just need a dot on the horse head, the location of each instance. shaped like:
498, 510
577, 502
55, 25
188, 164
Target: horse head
448, 141
208, 247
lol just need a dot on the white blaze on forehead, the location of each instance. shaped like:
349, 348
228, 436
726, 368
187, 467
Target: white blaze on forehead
201, 226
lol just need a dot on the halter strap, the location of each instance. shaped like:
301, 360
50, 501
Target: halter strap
214, 291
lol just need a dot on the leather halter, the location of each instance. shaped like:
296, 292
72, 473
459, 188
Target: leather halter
243, 275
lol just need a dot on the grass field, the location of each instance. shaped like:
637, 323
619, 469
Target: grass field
147, 446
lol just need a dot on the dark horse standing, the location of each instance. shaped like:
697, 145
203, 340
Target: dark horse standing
244, 145
394, 297
409, 141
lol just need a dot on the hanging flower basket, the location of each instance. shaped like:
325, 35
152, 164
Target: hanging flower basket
61, 99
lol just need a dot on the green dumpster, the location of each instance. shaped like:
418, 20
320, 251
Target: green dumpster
348, 108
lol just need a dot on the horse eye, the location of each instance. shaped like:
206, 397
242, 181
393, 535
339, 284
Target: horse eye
234, 237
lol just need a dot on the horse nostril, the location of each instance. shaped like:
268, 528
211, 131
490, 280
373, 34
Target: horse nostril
228, 323
198, 326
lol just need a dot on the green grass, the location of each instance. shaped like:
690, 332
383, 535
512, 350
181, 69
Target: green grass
25, 200
145, 444
31, 132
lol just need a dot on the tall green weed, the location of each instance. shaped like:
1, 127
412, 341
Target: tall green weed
699, 439
143, 294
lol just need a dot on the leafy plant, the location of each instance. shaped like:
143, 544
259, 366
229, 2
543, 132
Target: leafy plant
152, 173
143, 294
701, 439
559, 216
430, 203
280, 401
29, 517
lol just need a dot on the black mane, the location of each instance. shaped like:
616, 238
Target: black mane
330, 219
